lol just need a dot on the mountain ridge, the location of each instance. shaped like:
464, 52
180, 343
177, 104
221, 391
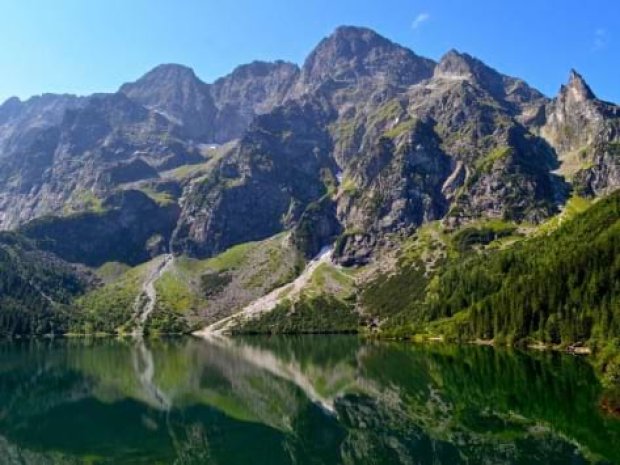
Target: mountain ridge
362, 148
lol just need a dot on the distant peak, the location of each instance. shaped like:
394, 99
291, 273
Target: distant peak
453, 53
173, 70
455, 63
11, 102
353, 52
355, 42
353, 30
162, 76
577, 87
357, 34
261, 68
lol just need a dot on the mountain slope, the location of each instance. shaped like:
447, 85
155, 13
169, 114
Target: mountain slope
367, 148
559, 288
35, 288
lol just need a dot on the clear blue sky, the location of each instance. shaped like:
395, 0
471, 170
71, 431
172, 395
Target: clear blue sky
84, 46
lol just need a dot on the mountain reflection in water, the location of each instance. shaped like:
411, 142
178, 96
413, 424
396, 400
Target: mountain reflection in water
310, 399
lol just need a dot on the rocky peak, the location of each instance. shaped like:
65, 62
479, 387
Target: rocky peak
514, 93
354, 53
176, 92
577, 89
163, 75
166, 87
454, 63
255, 87
9, 109
18, 118
260, 69
583, 130
250, 90
42, 107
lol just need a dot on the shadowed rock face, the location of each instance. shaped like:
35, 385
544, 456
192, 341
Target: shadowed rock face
263, 186
18, 119
176, 93
122, 232
367, 139
250, 90
217, 112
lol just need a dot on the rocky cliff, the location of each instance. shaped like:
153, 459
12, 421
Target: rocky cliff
367, 141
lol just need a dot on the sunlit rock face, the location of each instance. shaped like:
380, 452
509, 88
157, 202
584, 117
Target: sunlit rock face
366, 138
585, 132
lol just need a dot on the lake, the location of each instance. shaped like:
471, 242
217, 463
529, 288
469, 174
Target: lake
296, 400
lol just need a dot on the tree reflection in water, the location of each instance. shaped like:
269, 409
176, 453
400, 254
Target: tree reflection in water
311, 399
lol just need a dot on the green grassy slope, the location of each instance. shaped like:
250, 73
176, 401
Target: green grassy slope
326, 304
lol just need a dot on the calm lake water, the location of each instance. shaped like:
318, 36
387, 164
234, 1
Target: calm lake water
301, 400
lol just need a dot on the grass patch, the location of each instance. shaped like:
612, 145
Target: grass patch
486, 163
109, 308
161, 198
574, 206
83, 200
401, 128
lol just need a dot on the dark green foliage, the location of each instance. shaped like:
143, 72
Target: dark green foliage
105, 310
467, 238
560, 288
166, 321
322, 314
396, 296
35, 289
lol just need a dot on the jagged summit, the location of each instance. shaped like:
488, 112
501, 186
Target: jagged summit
354, 105
353, 53
164, 79
9, 108
356, 33
455, 63
515, 93
167, 71
577, 88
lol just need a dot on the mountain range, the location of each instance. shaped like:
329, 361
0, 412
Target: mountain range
172, 203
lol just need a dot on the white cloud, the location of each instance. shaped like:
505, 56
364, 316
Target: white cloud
419, 20
601, 39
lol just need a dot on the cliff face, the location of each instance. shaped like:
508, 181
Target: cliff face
365, 141
263, 186
131, 228
585, 132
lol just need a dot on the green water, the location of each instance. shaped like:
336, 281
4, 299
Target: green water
304, 400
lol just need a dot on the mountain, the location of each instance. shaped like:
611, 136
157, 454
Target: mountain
18, 118
177, 94
63, 153
214, 113
359, 58
250, 90
196, 199
585, 132
411, 141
